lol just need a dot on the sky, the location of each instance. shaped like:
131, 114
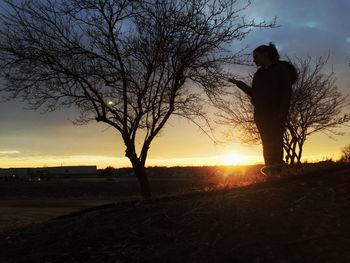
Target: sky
305, 28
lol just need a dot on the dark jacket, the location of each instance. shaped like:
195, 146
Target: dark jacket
272, 88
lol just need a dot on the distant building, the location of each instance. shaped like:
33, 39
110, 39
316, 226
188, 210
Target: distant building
48, 172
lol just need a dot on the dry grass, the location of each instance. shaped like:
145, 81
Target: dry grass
300, 218
25, 203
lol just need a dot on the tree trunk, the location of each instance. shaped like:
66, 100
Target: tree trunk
140, 171
286, 149
299, 155
295, 144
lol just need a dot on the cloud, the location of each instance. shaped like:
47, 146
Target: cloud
12, 152
312, 24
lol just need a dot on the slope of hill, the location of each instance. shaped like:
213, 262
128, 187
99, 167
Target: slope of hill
301, 218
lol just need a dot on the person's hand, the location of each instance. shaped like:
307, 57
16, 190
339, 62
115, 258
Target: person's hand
241, 85
233, 80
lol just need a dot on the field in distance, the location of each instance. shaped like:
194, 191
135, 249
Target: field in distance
23, 203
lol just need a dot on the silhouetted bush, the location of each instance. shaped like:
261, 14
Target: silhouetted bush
345, 154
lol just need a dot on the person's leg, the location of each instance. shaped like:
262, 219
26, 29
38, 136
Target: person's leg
271, 137
260, 122
274, 143
271, 132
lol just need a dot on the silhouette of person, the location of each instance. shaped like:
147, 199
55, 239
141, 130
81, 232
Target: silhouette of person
270, 94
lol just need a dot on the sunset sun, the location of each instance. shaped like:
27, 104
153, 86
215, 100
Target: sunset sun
233, 159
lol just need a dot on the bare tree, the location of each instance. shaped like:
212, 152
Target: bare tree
316, 106
236, 112
131, 64
345, 154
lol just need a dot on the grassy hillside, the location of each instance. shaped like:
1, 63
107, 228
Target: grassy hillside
299, 218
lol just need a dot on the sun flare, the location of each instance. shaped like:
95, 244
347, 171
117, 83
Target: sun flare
234, 159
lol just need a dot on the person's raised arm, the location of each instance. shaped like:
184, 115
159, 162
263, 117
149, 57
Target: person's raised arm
241, 85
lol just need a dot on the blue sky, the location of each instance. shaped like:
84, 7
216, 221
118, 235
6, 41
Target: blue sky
305, 28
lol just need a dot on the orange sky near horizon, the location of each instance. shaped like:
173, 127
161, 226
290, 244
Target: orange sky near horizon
92, 144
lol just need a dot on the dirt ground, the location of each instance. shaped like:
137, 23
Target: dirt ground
25, 203
299, 218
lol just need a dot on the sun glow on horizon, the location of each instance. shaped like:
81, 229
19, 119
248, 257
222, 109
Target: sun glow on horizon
17, 161
234, 159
